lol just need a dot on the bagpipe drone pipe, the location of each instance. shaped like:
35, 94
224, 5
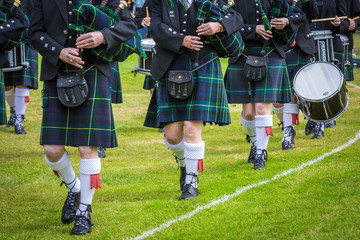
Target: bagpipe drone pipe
7, 13
210, 11
90, 16
279, 9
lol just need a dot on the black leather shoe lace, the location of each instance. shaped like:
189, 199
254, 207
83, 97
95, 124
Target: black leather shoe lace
70, 200
83, 219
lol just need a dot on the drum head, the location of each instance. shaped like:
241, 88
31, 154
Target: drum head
148, 43
318, 81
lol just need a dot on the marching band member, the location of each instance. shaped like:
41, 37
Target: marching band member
297, 57
12, 28
88, 125
353, 10
19, 83
257, 97
329, 8
176, 33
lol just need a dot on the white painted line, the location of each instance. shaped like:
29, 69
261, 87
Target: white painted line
352, 85
227, 197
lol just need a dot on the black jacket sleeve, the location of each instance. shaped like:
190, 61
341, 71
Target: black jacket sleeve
14, 26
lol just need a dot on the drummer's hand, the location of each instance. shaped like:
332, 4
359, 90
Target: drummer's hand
336, 22
352, 25
146, 22
266, 34
90, 40
192, 42
209, 28
279, 23
71, 56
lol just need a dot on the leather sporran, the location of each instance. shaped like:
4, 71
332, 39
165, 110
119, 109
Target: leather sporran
72, 89
255, 68
180, 84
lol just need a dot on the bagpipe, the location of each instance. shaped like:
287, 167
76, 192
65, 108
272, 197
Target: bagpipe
6, 15
210, 11
279, 9
91, 16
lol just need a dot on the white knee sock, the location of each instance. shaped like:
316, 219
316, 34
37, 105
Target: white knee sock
278, 112
263, 124
64, 168
291, 114
90, 180
21, 99
177, 149
250, 129
10, 97
193, 153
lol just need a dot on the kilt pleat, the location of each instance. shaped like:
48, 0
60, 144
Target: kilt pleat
208, 103
115, 84
149, 83
348, 72
26, 77
276, 86
3, 119
90, 124
295, 60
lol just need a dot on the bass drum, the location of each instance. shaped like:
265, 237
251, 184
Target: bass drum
321, 91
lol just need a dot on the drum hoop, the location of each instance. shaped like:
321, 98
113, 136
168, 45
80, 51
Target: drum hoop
327, 97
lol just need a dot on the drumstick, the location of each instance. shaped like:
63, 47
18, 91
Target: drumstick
147, 13
355, 18
327, 19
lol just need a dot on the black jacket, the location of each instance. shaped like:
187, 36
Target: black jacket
49, 33
11, 29
304, 39
250, 11
141, 14
353, 10
168, 32
332, 8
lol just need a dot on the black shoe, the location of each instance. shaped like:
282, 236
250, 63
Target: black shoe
286, 145
189, 192
101, 152
260, 159
309, 128
318, 131
83, 222
19, 129
71, 205
252, 154
330, 124
182, 178
12, 119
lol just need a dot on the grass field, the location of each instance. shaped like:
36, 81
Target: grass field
140, 181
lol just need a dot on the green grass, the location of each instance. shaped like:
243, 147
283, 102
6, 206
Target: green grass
140, 181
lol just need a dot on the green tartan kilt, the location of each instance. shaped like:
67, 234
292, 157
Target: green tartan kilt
149, 83
276, 86
90, 124
3, 119
295, 60
348, 72
115, 84
208, 103
25, 77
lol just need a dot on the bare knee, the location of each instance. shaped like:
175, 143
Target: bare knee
88, 152
193, 131
54, 152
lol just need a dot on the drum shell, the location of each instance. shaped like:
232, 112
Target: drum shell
327, 108
16, 59
144, 65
